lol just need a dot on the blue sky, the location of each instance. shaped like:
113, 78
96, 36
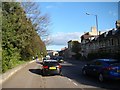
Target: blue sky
69, 19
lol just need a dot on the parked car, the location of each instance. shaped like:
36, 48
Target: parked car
51, 67
103, 69
59, 59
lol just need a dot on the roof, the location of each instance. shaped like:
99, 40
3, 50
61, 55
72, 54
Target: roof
106, 59
50, 60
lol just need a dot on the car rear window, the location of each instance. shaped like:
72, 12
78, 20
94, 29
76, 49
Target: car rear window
112, 62
50, 63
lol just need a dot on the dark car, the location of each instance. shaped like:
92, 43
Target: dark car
103, 69
59, 59
51, 67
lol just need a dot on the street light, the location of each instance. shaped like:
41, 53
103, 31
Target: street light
96, 22
96, 26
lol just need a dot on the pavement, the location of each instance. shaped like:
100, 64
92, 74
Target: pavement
9, 73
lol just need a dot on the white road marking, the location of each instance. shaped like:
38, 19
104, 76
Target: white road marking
75, 83
72, 82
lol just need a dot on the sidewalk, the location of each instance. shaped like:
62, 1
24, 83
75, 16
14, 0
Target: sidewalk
9, 73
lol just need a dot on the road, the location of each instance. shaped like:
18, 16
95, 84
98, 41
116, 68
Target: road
31, 77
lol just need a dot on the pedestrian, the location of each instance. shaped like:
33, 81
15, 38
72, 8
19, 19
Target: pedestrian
36, 58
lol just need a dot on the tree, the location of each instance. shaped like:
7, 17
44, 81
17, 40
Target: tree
39, 21
10, 52
20, 41
0, 37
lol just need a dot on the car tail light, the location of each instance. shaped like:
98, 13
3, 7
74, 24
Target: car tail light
45, 67
59, 66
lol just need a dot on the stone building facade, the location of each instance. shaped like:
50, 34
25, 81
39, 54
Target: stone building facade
86, 41
107, 42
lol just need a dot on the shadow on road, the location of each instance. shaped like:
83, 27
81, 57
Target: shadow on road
39, 72
36, 71
74, 72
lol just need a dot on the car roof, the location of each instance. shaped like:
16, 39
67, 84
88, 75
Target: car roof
106, 60
50, 60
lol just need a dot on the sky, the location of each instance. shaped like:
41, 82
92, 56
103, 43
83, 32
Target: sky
70, 21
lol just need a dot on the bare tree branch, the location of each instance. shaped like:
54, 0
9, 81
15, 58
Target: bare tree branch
39, 21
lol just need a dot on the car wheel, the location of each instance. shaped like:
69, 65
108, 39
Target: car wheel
84, 72
101, 78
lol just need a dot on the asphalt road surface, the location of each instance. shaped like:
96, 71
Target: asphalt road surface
31, 77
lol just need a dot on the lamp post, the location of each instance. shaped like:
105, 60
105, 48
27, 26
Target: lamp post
96, 27
96, 22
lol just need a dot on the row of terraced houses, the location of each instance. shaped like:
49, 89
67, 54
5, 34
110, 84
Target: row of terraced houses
96, 44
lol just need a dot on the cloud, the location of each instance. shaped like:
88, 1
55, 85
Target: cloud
62, 38
55, 47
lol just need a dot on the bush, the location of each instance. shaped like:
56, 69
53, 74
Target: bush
10, 58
